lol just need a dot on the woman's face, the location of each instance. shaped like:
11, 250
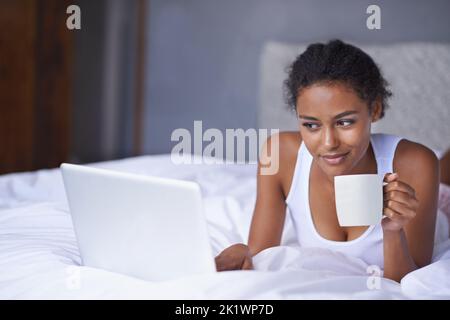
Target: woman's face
335, 126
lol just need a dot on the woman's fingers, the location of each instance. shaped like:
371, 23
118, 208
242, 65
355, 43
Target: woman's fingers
233, 264
394, 220
401, 197
399, 186
226, 264
234, 258
400, 203
394, 216
248, 264
388, 177
400, 208
220, 265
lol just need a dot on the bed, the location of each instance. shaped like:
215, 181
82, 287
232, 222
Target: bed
39, 258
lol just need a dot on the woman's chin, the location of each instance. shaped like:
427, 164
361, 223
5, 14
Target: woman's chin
337, 173
334, 169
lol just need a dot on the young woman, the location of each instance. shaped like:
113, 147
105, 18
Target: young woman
337, 92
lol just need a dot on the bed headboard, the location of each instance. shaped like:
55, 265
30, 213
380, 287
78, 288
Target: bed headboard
419, 75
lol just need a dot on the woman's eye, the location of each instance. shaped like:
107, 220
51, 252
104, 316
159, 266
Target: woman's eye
345, 123
311, 125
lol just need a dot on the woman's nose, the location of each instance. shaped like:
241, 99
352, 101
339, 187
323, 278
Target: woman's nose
330, 139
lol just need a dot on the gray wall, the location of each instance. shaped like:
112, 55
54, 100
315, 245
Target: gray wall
203, 55
103, 80
87, 79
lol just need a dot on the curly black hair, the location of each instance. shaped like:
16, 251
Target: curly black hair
337, 61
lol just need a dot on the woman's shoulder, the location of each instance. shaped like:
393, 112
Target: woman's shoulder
289, 143
412, 158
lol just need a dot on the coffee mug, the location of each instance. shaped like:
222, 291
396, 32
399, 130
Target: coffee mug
359, 199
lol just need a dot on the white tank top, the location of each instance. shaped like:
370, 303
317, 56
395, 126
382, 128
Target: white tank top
369, 246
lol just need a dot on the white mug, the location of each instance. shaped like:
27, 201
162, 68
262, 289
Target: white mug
359, 199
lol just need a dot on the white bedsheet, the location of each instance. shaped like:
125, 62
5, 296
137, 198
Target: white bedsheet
39, 257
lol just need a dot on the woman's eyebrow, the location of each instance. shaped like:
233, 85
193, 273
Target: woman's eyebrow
307, 118
345, 113
340, 115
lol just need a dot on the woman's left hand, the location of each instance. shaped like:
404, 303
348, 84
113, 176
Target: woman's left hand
400, 204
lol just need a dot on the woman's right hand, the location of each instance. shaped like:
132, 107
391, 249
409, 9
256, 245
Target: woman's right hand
235, 257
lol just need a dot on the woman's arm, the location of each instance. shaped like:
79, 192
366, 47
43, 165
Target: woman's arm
270, 208
411, 207
269, 213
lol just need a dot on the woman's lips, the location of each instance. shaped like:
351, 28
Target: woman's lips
334, 159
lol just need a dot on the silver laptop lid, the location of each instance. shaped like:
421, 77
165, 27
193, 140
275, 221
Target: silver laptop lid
148, 227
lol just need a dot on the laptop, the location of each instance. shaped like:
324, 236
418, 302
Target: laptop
147, 227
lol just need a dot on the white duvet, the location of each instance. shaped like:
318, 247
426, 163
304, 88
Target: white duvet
39, 258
